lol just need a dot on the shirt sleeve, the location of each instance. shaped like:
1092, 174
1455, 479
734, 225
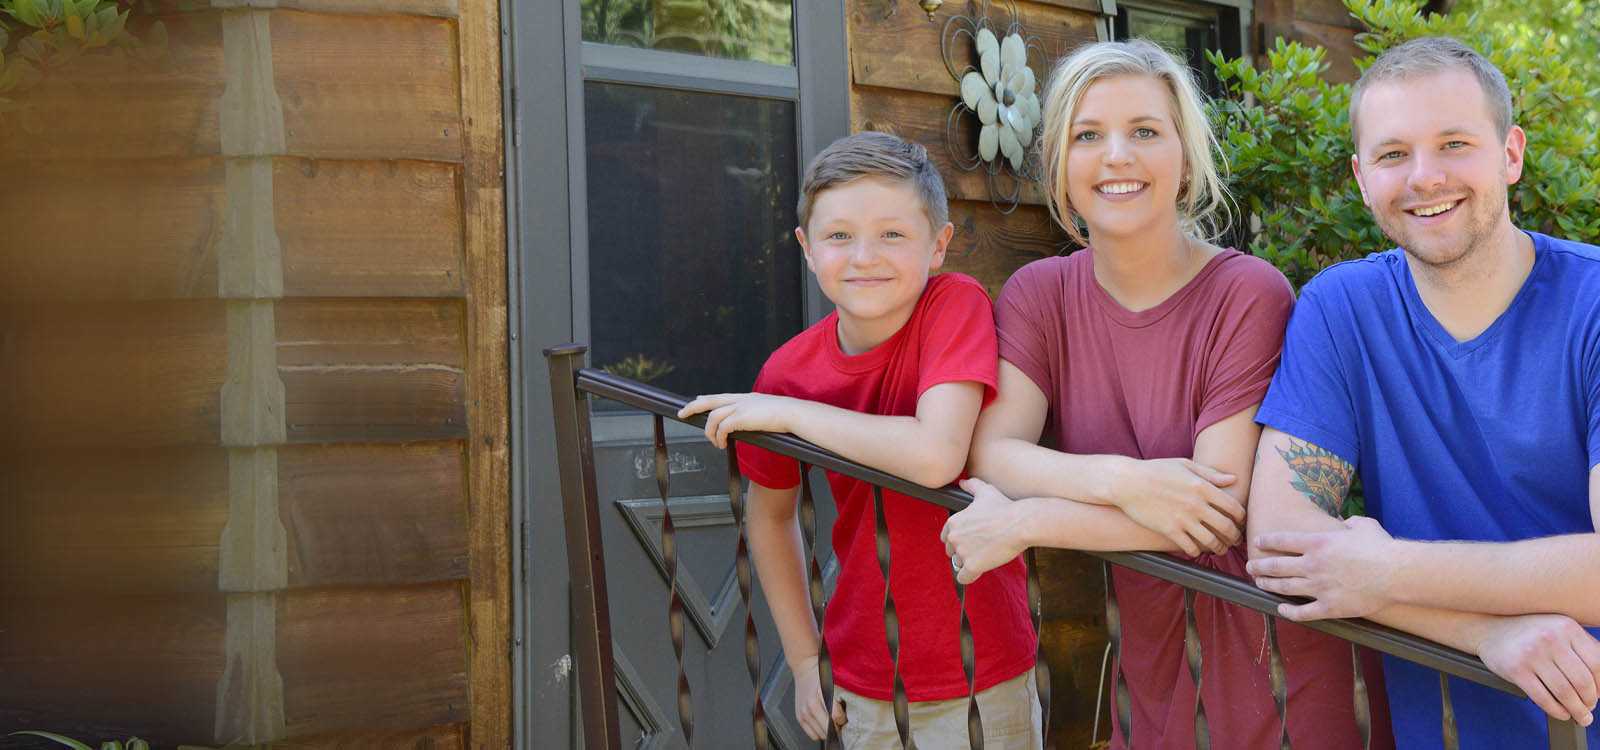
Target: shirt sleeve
958, 339
1310, 396
1021, 315
1592, 388
1250, 328
760, 465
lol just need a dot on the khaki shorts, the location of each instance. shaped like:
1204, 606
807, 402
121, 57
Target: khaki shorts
1010, 712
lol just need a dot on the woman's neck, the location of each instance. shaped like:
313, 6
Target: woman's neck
1141, 271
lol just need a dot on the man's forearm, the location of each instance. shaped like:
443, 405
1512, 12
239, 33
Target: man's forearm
1558, 574
776, 546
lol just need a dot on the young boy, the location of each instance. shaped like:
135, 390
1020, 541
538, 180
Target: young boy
893, 379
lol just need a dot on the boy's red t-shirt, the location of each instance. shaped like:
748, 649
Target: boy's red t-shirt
950, 337
1146, 384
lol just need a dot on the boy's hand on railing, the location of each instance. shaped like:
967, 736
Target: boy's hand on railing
984, 536
740, 412
1180, 500
1551, 658
808, 707
1346, 571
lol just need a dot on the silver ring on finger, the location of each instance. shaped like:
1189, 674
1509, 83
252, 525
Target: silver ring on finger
955, 564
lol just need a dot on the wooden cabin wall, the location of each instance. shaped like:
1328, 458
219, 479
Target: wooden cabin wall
253, 373
1322, 23
899, 84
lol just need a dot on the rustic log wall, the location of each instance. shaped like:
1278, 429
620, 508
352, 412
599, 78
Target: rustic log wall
1322, 23
253, 373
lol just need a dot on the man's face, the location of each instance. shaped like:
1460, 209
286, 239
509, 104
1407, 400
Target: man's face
1432, 167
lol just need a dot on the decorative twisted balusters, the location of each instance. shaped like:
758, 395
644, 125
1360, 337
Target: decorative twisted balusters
1041, 669
752, 647
808, 531
669, 554
969, 666
1447, 721
1363, 704
1280, 681
1191, 650
891, 623
1124, 712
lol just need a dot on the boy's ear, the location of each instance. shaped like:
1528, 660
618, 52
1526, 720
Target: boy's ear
941, 242
805, 247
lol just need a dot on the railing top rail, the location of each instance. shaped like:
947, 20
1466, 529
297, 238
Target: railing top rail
1371, 635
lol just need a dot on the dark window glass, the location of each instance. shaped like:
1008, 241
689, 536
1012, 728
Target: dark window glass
760, 30
694, 272
1190, 30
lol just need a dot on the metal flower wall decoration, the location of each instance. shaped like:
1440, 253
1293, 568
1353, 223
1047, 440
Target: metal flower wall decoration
1001, 90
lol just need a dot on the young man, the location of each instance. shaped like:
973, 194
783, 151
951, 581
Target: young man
1460, 374
893, 379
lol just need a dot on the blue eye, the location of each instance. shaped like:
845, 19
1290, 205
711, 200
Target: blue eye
839, 236
1390, 155
1456, 144
1087, 136
1144, 133
893, 233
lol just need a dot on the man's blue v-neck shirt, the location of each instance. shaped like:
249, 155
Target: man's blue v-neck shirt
1490, 439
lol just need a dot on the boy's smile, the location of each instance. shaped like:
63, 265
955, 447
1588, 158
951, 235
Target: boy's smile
872, 248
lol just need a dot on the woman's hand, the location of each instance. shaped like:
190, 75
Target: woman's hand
986, 535
1180, 500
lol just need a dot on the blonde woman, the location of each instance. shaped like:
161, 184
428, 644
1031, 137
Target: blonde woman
1142, 359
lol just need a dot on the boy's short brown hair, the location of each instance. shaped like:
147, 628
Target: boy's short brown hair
874, 154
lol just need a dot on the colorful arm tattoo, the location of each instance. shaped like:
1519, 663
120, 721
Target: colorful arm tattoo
1321, 476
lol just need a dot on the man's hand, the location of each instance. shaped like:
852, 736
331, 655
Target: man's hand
741, 412
1553, 659
808, 708
1180, 500
985, 535
1347, 572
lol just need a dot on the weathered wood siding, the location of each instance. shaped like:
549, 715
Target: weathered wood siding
900, 84
253, 373
1321, 23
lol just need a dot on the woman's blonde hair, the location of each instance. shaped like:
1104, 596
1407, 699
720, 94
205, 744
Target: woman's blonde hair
1202, 198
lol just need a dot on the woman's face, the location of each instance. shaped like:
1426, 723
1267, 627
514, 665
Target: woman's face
1124, 158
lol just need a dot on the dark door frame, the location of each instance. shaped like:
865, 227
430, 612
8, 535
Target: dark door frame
544, 58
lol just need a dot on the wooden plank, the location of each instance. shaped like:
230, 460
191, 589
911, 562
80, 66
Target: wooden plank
110, 229
374, 514
443, 737
1340, 43
1326, 12
116, 521
145, 665
166, 108
368, 229
921, 117
990, 245
368, 87
489, 593
436, 8
902, 50
372, 370
392, 658
130, 373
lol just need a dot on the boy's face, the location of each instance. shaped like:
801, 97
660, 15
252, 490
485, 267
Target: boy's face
871, 246
1432, 165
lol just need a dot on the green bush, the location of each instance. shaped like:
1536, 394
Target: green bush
37, 36
1286, 133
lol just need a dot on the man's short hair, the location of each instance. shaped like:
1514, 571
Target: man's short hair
874, 154
1435, 54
